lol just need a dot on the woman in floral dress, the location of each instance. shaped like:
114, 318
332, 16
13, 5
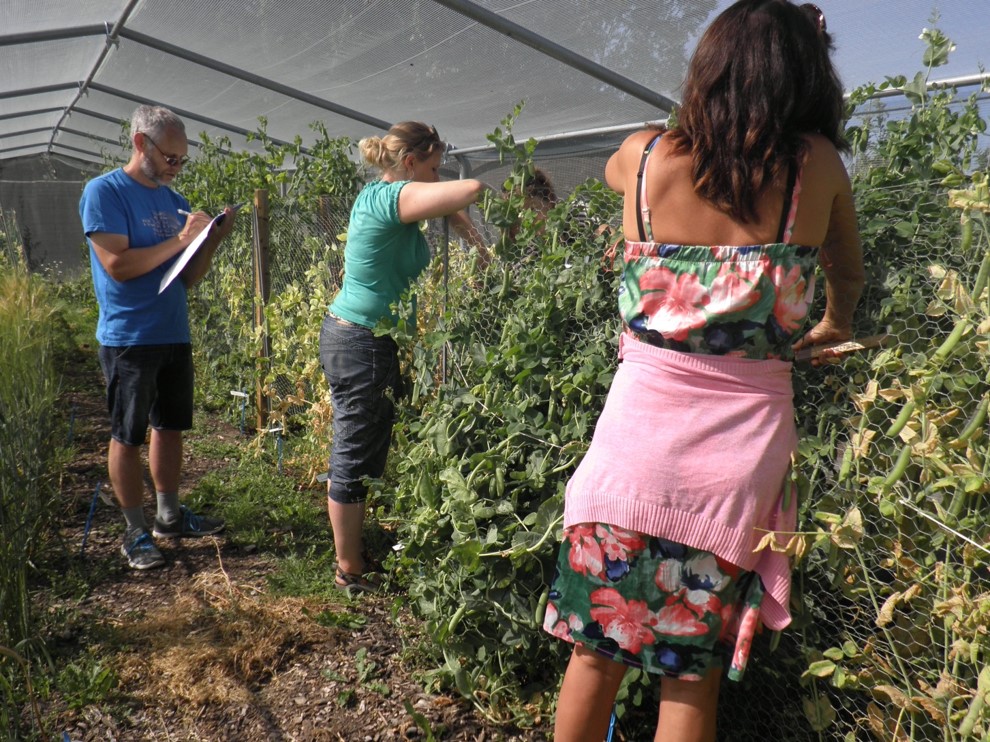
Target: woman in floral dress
726, 218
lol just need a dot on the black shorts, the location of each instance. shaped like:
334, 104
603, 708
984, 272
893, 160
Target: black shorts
147, 383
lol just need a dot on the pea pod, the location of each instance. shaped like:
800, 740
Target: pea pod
541, 608
975, 711
966, 239
455, 426
504, 289
901, 420
957, 502
974, 424
950, 343
972, 716
900, 466
981, 277
456, 618
846, 467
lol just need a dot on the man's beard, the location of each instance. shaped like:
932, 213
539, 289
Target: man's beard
155, 176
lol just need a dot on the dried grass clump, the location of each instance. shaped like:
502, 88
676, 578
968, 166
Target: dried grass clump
217, 643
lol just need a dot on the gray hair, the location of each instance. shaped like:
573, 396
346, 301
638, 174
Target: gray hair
156, 121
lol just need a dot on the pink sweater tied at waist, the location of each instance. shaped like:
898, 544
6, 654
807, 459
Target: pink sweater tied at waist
696, 449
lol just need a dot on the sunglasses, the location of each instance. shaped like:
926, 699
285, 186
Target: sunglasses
816, 15
432, 138
170, 160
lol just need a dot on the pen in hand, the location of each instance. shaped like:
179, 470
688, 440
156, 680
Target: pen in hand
189, 213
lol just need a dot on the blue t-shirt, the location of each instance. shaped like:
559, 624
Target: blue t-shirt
382, 258
132, 312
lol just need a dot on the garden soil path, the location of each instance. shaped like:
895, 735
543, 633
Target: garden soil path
202, 653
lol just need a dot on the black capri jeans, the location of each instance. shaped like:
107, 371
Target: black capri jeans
363, 373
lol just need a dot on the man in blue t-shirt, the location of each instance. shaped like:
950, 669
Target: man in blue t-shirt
137, 227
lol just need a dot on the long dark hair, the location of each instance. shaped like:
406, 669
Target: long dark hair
759, 79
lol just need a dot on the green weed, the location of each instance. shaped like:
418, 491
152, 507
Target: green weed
263, 508
85, 682
30, 442
340, 619
307, 574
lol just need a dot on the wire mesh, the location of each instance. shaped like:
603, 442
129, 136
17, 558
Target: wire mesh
896, 454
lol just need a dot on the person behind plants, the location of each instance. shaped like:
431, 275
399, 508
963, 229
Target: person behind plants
725, 218
537, 195
385, 252
136, 226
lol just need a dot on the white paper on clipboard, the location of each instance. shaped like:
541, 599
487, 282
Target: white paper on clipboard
186, 255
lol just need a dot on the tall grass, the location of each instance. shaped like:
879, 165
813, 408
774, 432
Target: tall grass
29, 462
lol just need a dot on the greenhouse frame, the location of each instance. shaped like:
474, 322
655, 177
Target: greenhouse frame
587, 72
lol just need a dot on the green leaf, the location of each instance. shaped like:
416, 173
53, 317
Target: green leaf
820, 669
916, 91
834, 653
939, 48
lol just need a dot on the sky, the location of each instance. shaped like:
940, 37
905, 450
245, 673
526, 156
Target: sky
879, 38
876, 38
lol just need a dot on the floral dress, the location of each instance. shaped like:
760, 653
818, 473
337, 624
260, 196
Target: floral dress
639, 598
748, 302
651, 603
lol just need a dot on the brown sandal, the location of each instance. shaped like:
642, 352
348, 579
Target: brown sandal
351, 583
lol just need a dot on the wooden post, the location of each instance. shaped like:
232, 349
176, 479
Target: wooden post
262, 289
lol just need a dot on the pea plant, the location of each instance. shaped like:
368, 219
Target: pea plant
300, 181
483, 457
508, 370
895, 644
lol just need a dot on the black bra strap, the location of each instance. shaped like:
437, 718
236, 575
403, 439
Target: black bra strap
639, 186
788, 197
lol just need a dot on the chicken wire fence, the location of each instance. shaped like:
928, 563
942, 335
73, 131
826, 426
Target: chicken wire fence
888, 639
890, 597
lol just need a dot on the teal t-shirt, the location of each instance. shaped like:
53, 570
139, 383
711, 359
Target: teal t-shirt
382, 258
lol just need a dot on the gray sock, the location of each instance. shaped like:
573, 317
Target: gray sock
168, 506
134, 517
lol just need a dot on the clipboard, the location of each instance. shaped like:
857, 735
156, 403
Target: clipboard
186, 255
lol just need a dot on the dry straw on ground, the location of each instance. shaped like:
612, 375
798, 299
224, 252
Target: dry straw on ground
217, 642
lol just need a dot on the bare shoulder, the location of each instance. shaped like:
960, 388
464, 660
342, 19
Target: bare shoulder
626, 159
822, 155
639, 140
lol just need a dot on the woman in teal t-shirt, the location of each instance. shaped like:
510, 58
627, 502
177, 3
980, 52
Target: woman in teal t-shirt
385, 253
